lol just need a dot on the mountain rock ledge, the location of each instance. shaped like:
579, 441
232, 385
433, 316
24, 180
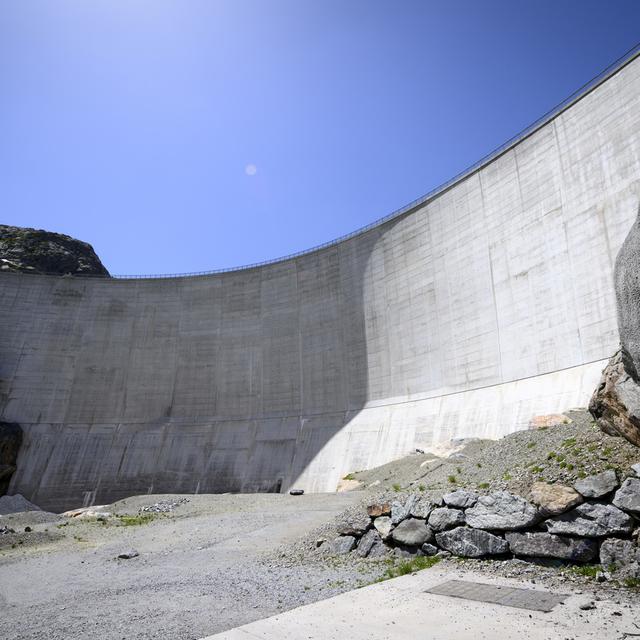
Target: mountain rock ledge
38, 251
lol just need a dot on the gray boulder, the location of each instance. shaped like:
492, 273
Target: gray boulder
547, 545
443, 518
367, 542
401, 510
412, 532
383, 526
354, 525
429, 549
471, 543
627, 496
462, 499
621, 557
502, 511
598, 485
636, 469
342, 545
591, 520
422, 508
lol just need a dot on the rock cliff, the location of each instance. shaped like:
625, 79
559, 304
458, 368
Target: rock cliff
39, 251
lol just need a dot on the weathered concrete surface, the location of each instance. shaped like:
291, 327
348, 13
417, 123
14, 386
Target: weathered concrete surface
489, 304
400, 608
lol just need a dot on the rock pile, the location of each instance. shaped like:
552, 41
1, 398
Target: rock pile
165, 506
598, 518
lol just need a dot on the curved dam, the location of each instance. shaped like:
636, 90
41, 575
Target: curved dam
465, 316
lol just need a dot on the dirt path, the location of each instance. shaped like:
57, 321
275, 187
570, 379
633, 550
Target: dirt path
204, 568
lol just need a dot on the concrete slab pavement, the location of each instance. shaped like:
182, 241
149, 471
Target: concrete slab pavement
400, 609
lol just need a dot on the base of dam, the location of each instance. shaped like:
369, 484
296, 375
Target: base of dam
64, 466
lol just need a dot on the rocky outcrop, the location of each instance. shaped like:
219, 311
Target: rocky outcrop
38, 251
10, 441
615, 404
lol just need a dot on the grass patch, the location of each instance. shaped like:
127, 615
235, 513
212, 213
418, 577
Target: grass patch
483, 485
569, 442
349, 476
408, 566
530, 445
452, 479
396, 487
586, 570
632, 583
506, 476
133, 521
421, 487
537, 469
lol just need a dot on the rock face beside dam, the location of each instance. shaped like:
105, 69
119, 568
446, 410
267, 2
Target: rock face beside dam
466, 316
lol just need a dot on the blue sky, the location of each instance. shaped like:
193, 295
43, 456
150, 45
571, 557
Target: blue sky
202, 134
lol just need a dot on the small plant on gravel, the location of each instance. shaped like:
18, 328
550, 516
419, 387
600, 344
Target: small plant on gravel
408, 566
396, 487
452, 479
632, 583
459, 469
483, 485
349, 476
478, 465
551, 455
421, 487
586, 570
132, 521
569, 442
537, 469
530, 445
506, 476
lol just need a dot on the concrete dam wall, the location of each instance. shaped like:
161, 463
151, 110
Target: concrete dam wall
466, 316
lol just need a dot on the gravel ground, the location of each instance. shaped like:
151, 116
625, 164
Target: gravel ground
210, 564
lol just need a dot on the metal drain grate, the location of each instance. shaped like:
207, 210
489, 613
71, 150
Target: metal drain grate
507, 596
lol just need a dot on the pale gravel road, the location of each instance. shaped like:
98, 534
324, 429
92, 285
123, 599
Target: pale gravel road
201, 570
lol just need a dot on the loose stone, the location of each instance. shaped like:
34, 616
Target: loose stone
443, 518
412, 532
501, 511
598, 485
547, 545
471, 543
592, 520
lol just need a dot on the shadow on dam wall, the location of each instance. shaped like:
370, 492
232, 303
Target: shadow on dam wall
224, 383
